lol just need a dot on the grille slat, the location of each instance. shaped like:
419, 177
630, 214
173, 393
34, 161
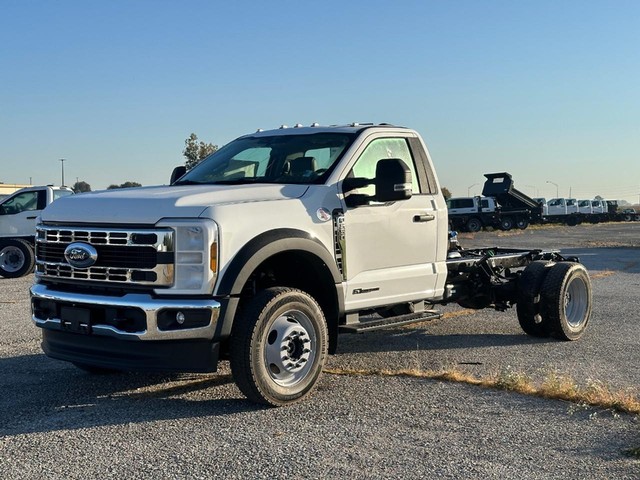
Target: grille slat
143, 257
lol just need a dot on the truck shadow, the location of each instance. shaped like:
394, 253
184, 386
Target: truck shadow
42, 395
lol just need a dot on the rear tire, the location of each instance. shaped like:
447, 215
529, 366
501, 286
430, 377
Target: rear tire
522, 223
572, 221
528, 304
506, 223
565, 301
278, 346
17, 258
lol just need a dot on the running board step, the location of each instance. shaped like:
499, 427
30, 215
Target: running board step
380, 323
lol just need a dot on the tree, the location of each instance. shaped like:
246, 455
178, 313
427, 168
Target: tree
81, 187
124, 185
446, 193
195, 151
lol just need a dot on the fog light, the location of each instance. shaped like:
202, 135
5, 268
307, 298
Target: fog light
180, 318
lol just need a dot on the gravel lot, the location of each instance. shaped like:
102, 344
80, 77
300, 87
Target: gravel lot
58, 422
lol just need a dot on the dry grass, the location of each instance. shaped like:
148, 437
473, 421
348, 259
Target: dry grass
554, 386
603, 274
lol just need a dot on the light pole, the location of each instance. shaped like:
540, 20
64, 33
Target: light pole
554, 183
469, 189
62, 160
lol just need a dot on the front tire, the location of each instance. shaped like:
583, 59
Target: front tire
16, 258
278, 346
565, 301
474, 225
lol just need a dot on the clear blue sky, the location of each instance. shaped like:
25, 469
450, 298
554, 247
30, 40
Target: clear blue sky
546, 90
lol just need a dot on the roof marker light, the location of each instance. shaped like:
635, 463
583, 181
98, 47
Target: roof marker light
259, 130
283, 127
297, 125
315, 124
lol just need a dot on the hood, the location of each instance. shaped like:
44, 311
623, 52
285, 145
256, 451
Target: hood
147, 205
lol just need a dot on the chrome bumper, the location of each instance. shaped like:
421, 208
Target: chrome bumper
150, 306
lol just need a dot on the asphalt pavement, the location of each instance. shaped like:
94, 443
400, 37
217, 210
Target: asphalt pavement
59, 422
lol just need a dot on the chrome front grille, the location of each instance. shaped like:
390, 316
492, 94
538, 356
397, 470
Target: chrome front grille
133, 256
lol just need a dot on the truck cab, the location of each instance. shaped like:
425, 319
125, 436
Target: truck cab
572, 205
543, 203
18, 213
585, 207
333, 222
599, 206
475, 204
557, 206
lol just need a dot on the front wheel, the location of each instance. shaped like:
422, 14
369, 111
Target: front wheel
565, 300
16, 258
278, 346
474, 225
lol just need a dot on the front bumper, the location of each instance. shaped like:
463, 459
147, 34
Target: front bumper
94, 330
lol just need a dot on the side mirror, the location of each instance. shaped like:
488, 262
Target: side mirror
177, 173
393, 180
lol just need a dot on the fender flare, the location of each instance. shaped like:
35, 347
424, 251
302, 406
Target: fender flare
254, 253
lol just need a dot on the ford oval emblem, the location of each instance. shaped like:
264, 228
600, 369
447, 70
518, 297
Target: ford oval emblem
80, 255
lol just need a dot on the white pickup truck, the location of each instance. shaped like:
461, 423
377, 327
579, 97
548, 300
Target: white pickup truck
18, 213
268, 249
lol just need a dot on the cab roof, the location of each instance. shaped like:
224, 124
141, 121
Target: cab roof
299, 129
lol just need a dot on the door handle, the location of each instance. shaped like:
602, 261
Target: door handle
425, 217
31, 218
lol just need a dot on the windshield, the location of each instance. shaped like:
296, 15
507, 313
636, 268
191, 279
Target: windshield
284, 159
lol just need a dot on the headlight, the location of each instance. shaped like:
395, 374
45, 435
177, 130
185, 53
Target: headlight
196, 255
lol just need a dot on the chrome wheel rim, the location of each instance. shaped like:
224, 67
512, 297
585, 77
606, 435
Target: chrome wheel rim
12, 259
290, 348
576, 302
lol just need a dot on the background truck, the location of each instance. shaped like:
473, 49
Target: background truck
502, 206
268, 249
18, 213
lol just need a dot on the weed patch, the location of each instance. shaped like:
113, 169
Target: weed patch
554, 386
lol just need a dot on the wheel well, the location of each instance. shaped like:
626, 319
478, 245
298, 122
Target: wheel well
302, 270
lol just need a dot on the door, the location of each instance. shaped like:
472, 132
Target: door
18, 213
391, 250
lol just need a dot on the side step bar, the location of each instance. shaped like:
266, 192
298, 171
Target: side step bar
361, 326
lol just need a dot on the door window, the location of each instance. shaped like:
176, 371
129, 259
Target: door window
20, 203
380, 149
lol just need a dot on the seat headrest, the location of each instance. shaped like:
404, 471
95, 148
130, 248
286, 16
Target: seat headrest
302, 165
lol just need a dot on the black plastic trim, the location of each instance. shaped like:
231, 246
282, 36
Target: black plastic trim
266, 245
132, 355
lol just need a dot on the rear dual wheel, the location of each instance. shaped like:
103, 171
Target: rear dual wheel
528, 305
506, 223
554, 300
565, 301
